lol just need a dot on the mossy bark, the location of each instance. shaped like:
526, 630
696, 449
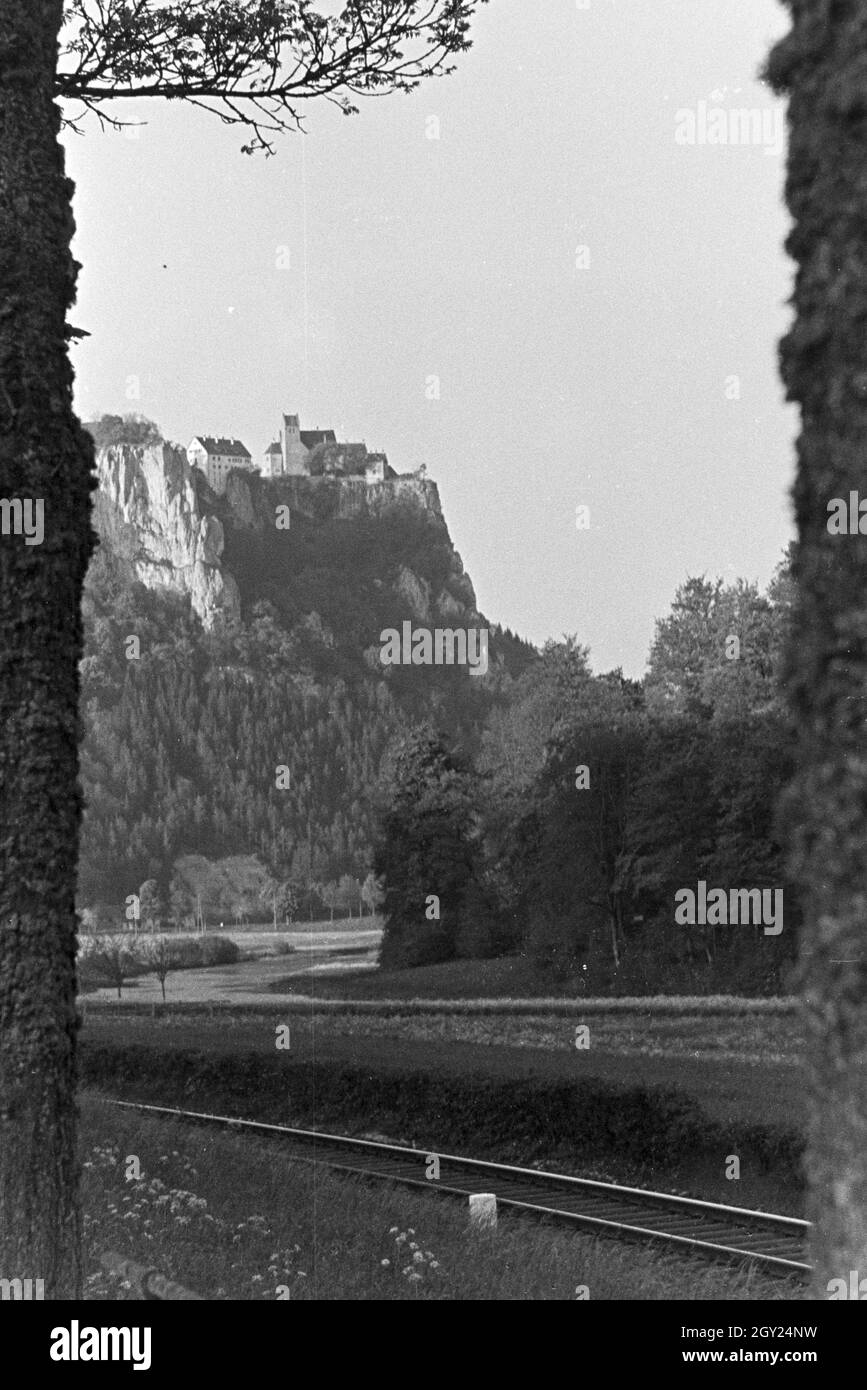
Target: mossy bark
44, 455
822, 66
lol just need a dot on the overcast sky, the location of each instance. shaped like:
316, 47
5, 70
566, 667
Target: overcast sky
602, 378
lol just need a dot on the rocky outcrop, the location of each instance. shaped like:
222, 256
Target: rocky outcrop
416, 592
148, 512
165, 525
328, 499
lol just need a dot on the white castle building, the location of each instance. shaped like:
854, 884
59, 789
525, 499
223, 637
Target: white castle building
290, 452
215, 457
319, 453
294, 453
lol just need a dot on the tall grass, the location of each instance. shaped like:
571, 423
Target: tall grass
232, 1218
657, 1005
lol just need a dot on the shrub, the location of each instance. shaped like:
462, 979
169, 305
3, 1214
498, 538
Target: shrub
186, 952
219, 950
587, 1119
108, 960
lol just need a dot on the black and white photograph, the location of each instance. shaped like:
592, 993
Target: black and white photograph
433, 671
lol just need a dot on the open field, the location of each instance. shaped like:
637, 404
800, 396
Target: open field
507, 977
232, 1219
445, 1094
512, 978
751, 1091
335, 978
726, 1030
735, 1060
314, 950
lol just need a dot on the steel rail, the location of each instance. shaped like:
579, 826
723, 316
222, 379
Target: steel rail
714, 1229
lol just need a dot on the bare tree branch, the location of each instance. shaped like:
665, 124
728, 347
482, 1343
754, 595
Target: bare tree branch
251, 62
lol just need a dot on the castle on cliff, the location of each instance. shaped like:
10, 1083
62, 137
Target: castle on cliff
294, 453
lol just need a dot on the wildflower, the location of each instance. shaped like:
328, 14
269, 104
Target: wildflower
386, 1264
418, 1258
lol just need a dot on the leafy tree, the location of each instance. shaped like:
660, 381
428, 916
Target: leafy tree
349, 890
182, 903
714, 653
281, 898
288, 900
519, 728
152, 905
123, 429
514, 748
330, 895
115, 958
583, 814
371, 892
160, 956
254, 64
673, 813
425, 851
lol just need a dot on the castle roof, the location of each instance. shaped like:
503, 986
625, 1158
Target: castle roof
233, 447
310, 438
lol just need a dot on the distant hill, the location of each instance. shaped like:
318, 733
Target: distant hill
222, 646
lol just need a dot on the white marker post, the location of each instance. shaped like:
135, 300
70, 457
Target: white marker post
483, 1208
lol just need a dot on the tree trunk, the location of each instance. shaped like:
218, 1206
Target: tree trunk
614, 916
44, 455
821, 65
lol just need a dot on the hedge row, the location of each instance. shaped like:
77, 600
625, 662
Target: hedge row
659, 1006
522, 1118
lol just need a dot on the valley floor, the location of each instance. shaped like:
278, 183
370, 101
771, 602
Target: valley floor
733, 1095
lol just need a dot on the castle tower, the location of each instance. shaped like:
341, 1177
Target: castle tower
295, 452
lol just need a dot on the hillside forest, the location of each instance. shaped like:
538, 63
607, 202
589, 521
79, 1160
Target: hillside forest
274, 772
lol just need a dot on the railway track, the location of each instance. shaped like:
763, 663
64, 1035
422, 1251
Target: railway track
628, 1213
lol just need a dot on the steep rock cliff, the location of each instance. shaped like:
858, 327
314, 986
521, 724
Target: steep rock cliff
171, 531
148, 512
